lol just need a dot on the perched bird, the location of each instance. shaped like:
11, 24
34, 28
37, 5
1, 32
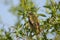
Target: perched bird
34, 23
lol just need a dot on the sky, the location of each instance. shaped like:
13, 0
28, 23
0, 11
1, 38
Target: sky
6, 17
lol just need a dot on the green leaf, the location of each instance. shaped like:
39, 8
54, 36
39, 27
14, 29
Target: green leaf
42, 15
58, 15
58, 32
47, 7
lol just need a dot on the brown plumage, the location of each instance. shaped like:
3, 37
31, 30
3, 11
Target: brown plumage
34, 23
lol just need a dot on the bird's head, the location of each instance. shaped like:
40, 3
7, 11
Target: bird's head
30, 14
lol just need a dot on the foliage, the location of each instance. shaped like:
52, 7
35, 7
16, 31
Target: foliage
29, 28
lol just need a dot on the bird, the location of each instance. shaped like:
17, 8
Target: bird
34, 23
